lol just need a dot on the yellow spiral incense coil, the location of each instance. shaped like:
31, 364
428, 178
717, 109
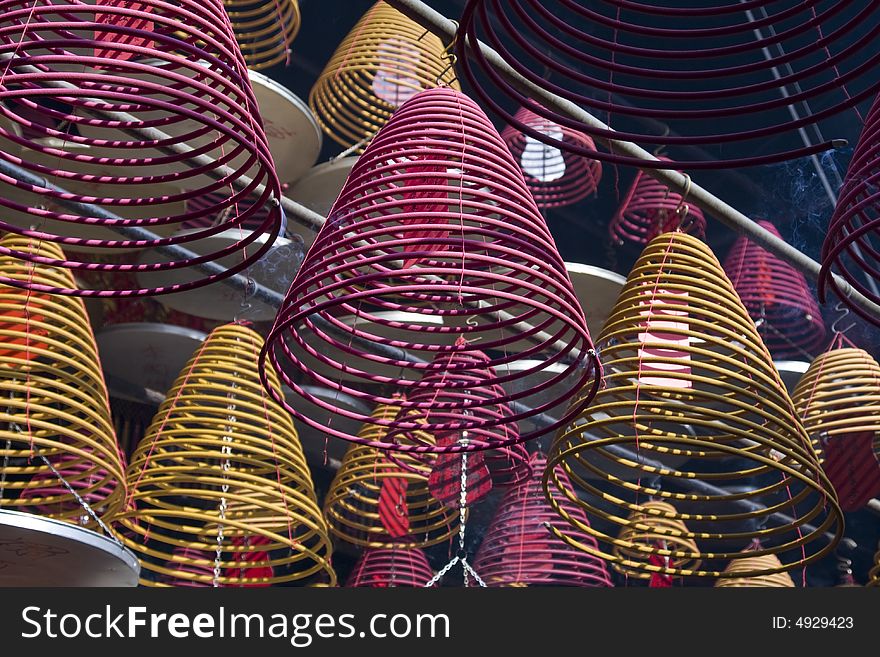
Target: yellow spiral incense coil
54, 412
264, 29
692, 412
655, 529
385, 59
221, 468
840, 394
352, 503
748, 564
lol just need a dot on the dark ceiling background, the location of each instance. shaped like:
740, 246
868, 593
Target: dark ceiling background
788, 194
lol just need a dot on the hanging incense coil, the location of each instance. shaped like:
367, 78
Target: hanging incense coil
359, 511
650, 208
849, 247
55, 415
519, 550
391, 568
458, 377
451, 250
654, 526
79, 79
385, 60
264, 29
556, 178
766, 563
691, 396
719, 76
218, 428
838, 400
777, 297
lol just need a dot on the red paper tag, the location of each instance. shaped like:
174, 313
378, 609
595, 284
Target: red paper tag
658, 580
253, 565
393, 512
122, 20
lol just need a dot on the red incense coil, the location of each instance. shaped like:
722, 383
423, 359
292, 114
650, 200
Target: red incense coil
94, 73
434, 242
555, 177
389, 568
651, 208
849, 248
518, 548
777, 297
721, 75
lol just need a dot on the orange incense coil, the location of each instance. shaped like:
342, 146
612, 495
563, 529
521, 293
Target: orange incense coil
655, 529
221, 467
386, 59
358, 508
264, 29
838, 400
55, 411
874, 574
693, 412
747, 564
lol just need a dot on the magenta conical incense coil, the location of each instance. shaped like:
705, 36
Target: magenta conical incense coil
555, 177
518, 549
434, 244
119, 114
389, 568
777, 297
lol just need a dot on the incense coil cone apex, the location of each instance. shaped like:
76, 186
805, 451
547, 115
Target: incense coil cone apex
651, 208
385, 60
691, 393
838, 400
434, 244
55, 413
374, 502
218, 428
708, 72
849, 248
765, 563
556, 178
79, 79
264, 29
777, 297
519, 550
391, 568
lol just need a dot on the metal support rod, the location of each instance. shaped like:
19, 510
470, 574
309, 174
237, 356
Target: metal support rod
726, 214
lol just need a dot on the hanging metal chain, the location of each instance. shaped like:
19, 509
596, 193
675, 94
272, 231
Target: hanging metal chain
70, 489
467, 569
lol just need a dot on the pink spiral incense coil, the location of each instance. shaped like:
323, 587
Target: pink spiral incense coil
777, 297
189, 561
143, 106
850, 246
391, 568
721, 75
651, 208
518, 549
459, 378
434, 243
555, 177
